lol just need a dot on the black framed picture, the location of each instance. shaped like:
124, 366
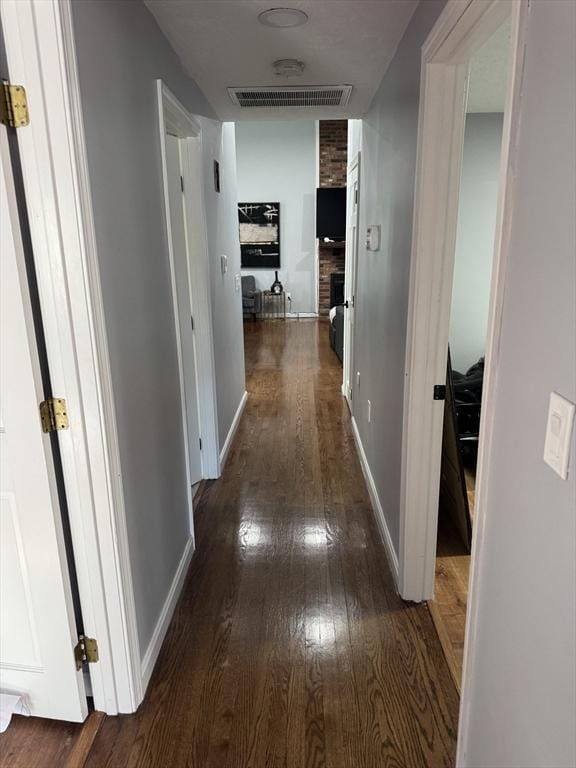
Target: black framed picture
259, 235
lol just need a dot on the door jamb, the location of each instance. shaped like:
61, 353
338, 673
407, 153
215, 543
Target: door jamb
175, 119
460, 30
347, 351
56, 179
458, 33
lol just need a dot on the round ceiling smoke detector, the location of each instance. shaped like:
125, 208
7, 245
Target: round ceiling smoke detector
288, 67
283, 18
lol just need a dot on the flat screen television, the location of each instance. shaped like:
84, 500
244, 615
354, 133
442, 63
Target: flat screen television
331, 213
259, 235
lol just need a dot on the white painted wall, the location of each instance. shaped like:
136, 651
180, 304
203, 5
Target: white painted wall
277, 163
520, 706
121, 52
475, 238
388, 145
219, 144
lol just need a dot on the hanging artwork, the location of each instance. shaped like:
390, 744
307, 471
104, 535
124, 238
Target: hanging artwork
259, 235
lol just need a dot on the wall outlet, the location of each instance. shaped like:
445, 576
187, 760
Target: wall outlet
237, 283
373, 237
369, 411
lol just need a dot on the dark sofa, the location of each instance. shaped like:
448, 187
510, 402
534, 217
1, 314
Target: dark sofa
337, 332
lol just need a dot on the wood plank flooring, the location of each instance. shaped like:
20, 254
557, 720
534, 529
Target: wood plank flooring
289, 646
32, 742
448, 609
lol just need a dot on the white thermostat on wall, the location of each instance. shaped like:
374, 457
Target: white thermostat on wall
373, 237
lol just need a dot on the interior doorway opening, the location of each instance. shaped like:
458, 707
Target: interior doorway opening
185, 220
468, 331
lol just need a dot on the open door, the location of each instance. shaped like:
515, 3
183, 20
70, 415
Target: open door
37, 624
183, 303
352, 210
453, 500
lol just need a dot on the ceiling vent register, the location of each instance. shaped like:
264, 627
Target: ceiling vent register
291, 96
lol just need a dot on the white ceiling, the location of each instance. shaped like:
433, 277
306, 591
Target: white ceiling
221, 44
489, 73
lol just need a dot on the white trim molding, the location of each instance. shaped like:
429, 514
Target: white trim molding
376, 503
232, 431
463, 26
154, 646
41, 55
173, 118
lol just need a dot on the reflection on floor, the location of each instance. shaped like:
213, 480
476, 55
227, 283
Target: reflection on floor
448, 608
290, 646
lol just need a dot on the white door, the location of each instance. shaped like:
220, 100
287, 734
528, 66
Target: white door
352, 209
37, 627
178, 235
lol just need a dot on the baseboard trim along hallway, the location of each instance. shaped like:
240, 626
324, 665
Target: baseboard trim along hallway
232, 431
376, 505
155, 644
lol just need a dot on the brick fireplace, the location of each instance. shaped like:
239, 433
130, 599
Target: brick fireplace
333, 148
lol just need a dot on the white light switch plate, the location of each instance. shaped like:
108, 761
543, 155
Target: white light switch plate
224, 264
559, 434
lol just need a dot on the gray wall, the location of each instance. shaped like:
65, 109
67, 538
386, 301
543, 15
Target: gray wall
389, 135
475, 238
120, 54
222, 220
523, 658
277, 163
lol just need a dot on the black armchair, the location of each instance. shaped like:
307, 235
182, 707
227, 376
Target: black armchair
251, 297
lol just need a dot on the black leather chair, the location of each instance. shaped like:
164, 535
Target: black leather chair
251, 297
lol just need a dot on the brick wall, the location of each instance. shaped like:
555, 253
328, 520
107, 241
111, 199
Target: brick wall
331, 260
333, 148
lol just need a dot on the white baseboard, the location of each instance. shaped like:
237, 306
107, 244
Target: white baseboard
376, 505
232, 430
155, 644
289, 315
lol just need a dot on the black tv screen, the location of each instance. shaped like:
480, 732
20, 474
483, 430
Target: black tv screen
331, 213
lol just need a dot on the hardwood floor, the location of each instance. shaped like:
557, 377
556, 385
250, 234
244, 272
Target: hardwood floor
450, 602
289, 646
32, 742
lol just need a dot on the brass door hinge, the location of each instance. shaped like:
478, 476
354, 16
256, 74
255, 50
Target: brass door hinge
54, 414
13, 105
85, 651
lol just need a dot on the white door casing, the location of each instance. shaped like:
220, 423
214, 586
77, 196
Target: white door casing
178, 237
175, 121
352, 216
460, 30
37, 624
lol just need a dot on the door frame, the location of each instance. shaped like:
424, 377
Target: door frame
175, 119
41, 56
462, 27
350, 274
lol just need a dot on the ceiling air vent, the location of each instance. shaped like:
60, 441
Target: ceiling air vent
292, 96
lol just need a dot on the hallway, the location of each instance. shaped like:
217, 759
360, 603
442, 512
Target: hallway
289, 646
